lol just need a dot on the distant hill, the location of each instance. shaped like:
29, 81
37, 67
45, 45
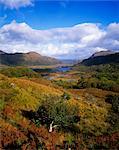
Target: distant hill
1, 52
69, 61
31, 58
103, 57
102, 53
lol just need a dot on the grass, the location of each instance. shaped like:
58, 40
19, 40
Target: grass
28, 93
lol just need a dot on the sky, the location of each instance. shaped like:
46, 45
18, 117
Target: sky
63, 29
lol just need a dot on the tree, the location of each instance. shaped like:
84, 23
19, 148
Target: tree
57, 114
66, 96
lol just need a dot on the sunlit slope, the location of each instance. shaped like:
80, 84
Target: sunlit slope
23, 93
26, 94
16, 95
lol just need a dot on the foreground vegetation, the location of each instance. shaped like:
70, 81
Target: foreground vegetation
39, 114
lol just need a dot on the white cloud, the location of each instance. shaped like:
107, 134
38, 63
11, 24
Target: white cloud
16, 3
78, 41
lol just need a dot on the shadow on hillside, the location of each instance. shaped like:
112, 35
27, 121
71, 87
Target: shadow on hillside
39, 118
30, 114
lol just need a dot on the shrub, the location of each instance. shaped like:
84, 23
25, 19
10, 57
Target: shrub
114, 100
18, 72
55, 112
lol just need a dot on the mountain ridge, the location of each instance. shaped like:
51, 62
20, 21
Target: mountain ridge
103, 53
103, 57
30, 58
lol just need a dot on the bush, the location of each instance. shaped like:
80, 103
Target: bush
18, 72
56, 112
98, 83
114, 100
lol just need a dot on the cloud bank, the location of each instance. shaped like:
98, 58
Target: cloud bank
79, 41
16, 3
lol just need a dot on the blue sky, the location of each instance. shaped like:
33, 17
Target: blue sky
62, 29
53, 14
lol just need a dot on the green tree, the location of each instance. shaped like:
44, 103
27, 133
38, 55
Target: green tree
58, 114
66, 96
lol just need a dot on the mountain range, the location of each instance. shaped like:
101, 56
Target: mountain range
34, 59
102, 57
30, 58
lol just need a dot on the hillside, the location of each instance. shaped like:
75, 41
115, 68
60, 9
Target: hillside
41, 114
103, 53
80, 107
31, 58
101, 58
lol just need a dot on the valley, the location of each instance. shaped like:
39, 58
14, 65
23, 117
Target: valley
59, 75
54, 107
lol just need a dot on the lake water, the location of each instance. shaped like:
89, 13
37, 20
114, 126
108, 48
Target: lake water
63, 69
52, 70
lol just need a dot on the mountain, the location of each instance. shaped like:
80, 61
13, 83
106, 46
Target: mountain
30, 58
102, 53
103, 57
1, 52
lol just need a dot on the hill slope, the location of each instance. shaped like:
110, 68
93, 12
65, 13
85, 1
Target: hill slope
101, 58
31, 58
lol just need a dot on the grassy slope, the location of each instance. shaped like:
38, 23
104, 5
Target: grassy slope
16, 95
26, 94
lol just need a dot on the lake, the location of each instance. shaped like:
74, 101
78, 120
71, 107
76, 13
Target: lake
52, 70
